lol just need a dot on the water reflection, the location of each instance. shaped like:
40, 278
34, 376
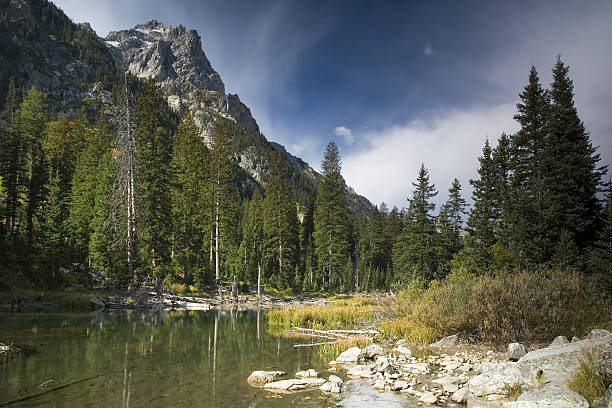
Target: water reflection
160, 359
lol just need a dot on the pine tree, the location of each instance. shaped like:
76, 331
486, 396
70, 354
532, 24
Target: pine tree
84, 185
188, 165
280, 226
28, 128
484, 215
52, 235
330, 220
253, 240
414, 253
526, 208
308, 257
573, 177
450, 224
223, 197
152, 178
600, 257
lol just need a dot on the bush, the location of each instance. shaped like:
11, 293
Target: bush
587, 381
522, 306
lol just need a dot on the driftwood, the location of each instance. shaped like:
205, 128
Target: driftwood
314, 344
46, 391
343, 334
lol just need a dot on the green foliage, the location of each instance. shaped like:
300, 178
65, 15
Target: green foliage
415, 252
330, 222
152, 178
280, 226
588, 382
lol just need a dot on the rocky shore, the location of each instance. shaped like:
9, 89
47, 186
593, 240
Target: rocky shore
453, 374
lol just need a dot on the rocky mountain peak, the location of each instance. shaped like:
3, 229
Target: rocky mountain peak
174, 58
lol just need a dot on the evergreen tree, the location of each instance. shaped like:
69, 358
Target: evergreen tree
308, 256
223, 197
450, 224
52, 234
280, 226
330, 220
85, 185
484, 214
414, 253
253, 239
28, 128
600, 257
573, 177
152, 177
11, 165
189, 162
525, 211
107, 245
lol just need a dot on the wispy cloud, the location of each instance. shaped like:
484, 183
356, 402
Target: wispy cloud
428, 50
346, 133
448, 144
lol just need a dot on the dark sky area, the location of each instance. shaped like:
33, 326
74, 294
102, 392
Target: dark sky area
393, 83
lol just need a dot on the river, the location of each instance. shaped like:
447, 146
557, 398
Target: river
163, 359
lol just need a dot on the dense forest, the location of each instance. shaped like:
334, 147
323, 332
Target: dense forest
138, 194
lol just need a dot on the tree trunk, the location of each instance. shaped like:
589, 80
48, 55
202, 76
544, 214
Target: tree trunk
258, 281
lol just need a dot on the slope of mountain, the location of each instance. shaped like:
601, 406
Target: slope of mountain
42, 47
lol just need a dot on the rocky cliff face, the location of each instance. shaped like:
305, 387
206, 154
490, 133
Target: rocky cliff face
174, 58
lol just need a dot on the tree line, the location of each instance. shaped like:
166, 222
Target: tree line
139, 194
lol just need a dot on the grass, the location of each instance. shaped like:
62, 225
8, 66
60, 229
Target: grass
333, 350
587, 381
343, 313
513, 391
70, 299
523, 306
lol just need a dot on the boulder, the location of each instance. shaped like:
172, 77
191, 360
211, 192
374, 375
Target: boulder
310, 373
399, 385
428, 398
349, 356
460, 396
559, 340
335, 379
294, 384
403, 351
331, 386
265, 376
516, 351
446, 341
550, 396
597, 334
496, 376
605, 364
371, 352
361, 370
450, 388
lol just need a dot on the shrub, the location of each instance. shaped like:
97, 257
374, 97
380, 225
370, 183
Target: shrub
587, 381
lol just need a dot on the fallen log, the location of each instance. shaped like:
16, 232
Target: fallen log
314, 344
46, 391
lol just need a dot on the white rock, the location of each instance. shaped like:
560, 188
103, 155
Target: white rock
559, 340
516, 351
399, 385
294, 384
349, 356
379, 385
310, 373
405, 351
335, 388
361, 370
372, 351
428, 398
265, 376
550, 396
460, 396
335, 379
446, 341
450, 388
326, 387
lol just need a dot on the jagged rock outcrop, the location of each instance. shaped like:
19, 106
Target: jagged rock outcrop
174, 58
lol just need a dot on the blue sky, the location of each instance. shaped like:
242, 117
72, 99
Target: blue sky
393, 83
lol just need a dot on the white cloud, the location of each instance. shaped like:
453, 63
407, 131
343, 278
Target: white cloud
346, 133
448, 145
428, 50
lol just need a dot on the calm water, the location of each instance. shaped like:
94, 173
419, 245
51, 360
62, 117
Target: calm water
178, 359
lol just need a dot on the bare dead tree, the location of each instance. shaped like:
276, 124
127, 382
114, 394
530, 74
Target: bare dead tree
124, 197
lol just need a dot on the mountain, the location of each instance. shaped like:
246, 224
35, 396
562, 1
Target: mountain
42, 47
